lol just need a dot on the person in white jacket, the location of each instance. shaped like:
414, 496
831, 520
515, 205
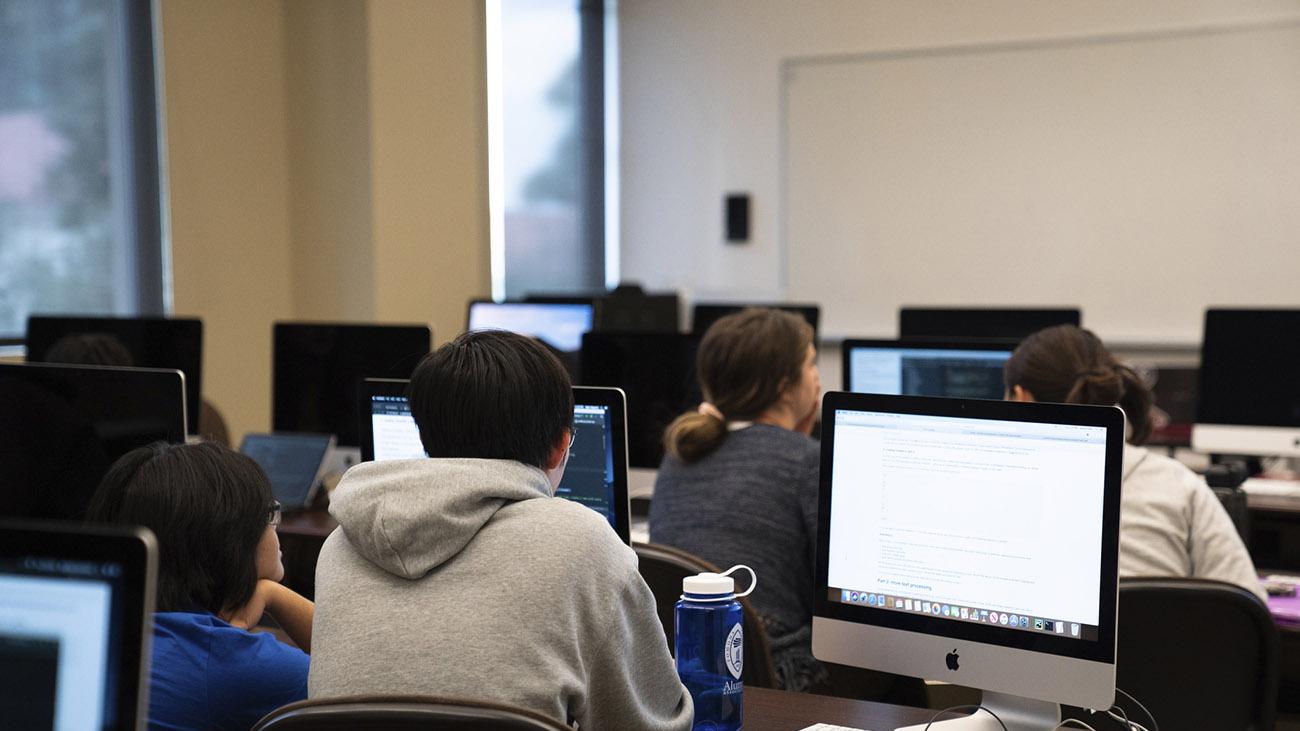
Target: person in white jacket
461, 575
1171, 523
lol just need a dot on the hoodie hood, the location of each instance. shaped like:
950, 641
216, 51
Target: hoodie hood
410, 516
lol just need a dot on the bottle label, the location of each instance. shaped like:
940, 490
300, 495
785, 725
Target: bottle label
734, 652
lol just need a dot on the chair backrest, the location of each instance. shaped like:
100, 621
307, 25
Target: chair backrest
1197, 653
403, 713
663, 568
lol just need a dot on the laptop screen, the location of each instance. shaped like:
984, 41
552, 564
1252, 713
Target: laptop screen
71, 634
596, 472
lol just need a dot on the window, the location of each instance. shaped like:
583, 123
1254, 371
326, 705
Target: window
79, 210
547, 175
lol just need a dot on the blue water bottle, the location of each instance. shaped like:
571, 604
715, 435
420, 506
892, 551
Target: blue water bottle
710, 647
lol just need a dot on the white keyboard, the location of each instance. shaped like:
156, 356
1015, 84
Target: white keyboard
1266, 486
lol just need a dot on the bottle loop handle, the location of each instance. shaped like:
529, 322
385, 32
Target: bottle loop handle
753, 584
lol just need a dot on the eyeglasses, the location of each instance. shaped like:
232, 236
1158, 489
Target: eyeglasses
274, 513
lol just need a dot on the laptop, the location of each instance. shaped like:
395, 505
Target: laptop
294, 463
76, 607
596, 475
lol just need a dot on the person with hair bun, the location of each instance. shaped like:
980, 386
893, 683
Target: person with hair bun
739, 484
1171, 523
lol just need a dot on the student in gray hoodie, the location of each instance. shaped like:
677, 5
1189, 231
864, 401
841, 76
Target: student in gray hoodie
461, 575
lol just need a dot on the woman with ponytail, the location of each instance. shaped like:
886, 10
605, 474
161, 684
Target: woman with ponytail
1171, 524
740, 479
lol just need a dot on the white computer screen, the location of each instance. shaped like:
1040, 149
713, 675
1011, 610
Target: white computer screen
952, 373
559, 325
970, 520
55, 636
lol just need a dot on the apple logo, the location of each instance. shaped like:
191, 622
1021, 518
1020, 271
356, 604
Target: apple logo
951, 659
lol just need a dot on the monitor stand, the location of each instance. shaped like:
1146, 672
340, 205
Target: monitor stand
1018, 713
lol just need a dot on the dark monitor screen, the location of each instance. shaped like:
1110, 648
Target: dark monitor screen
656, 371
317, 369
596, 474
144, 342
75, 605
1009, 323
926, 368
62, 426
1250, 368
705, 314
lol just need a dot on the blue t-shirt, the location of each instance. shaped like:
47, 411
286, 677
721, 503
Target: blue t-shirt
210, 676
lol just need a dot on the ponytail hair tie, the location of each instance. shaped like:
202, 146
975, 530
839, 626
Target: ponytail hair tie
709, 409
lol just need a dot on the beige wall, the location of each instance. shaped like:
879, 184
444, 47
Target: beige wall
326, 161
228, 181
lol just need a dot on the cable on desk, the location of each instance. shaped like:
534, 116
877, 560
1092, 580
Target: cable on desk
971, 707
1154, 725
1079, 724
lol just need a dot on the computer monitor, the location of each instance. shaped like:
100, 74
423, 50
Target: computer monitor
984, 323
629, 309
596, 475
974, 542
955, 369
558, 325
656, 371
62, 426
705, 314
76, 607
294, 463
148, 342
1249, 393
317, 369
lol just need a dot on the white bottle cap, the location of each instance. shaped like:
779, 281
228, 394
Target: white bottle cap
709, 584
717, 587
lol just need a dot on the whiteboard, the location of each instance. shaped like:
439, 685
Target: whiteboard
1142, 177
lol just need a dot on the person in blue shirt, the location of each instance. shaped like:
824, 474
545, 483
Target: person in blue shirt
219, 567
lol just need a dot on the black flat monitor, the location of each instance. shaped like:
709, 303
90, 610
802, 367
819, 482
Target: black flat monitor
628, 309
318, 367
974, 542
143, 342
596, 475
1249, 392
982, 323
656, 371
704, 314
951, 368
76, 608
62, 426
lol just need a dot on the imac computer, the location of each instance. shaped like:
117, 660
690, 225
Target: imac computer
973, 542
557, 324
704, 314
981, 323
955, 369
76, 612
657, 371
596, 475
62, 426
144, 342
317, 369
1249, 389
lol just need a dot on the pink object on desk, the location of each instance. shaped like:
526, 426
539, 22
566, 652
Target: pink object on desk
1285, 609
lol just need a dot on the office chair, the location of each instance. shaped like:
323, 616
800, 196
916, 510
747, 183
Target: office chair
663, 568
1197, 653
403, 713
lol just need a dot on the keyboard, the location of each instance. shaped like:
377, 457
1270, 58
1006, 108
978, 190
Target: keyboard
1271, 487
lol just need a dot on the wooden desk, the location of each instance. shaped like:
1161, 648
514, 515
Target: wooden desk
301, 536
777, 710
